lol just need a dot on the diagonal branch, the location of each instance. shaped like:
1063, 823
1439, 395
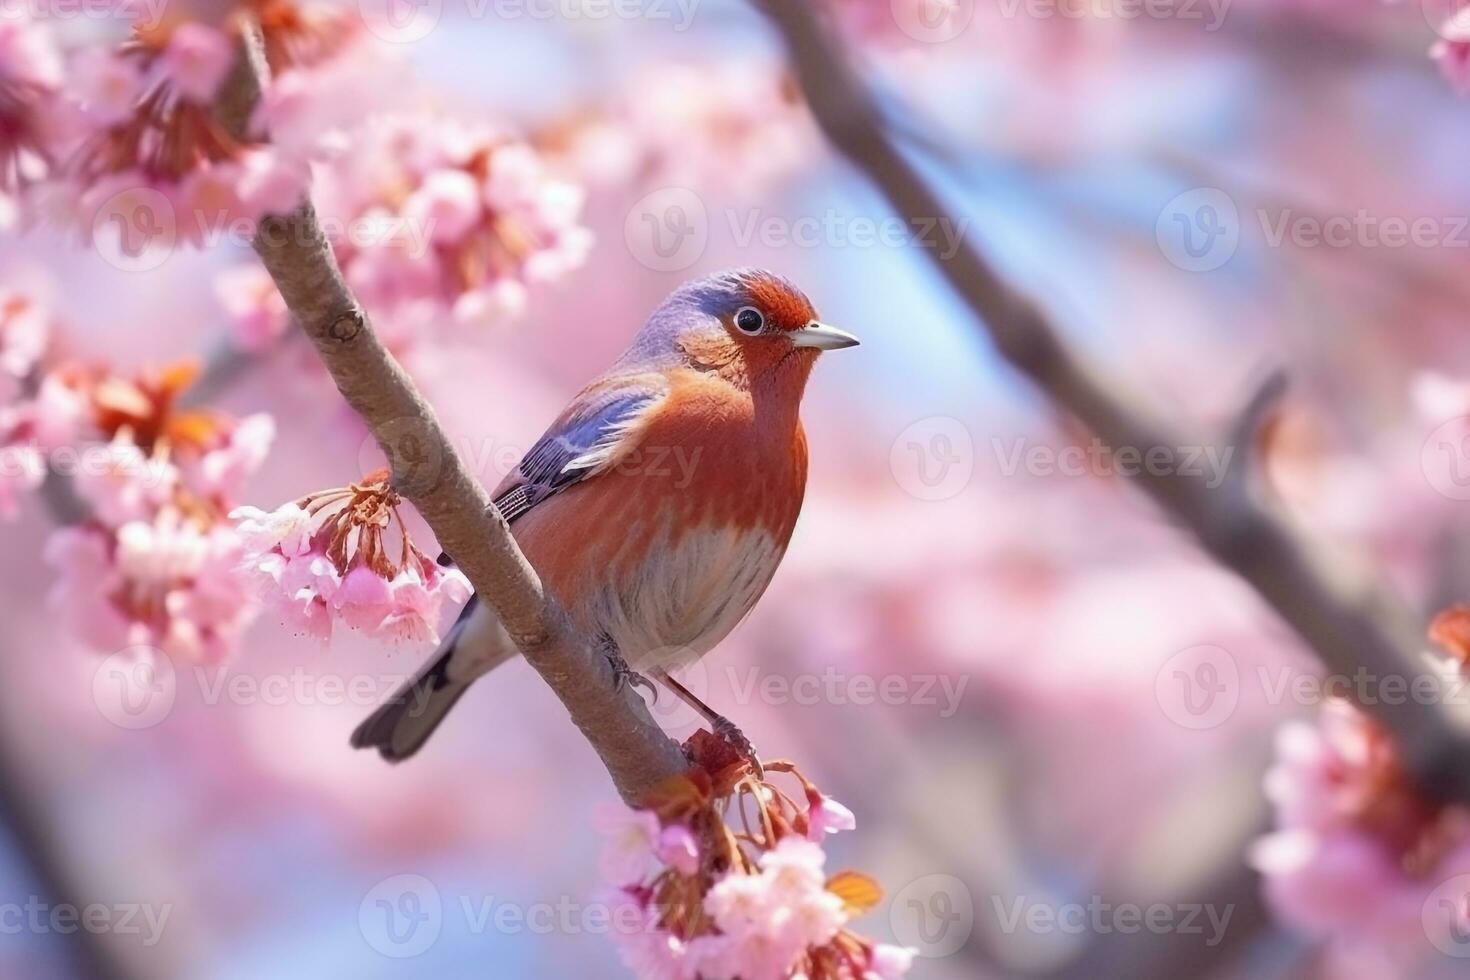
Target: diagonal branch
428, 471
1343, 616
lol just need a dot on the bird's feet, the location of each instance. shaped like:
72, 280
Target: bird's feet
735, 738
623, 675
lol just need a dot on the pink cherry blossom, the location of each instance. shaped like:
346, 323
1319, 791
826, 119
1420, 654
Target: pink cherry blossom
630, 843
678, 849
1357, 850
30, 73
105, 85
196, 60
25, 328
435, 221
1452, 51
21, 471
887, 962
242, 448
445, 206
827, 816
731, 123
326, 558
162, 162
122, 483
167, 583
257, 313
762, 907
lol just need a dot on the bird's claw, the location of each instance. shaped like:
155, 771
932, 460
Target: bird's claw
623, 675
735, 738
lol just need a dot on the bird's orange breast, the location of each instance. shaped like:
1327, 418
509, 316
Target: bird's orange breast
707, 458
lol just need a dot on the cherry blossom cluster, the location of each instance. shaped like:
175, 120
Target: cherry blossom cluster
1360, 853
25, 331
737, 123
30, 75
1452, 50
433, 221
149, 161
123, 141
697, 898
345, 554
155, 562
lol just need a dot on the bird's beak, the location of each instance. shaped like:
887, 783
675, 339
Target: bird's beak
820, 336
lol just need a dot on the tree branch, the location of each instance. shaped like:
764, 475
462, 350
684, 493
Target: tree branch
427, 470
1344, 617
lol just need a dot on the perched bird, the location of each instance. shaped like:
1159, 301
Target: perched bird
658, 505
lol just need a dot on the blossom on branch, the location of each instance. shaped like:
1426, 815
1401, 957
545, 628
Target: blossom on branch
434, 221
346, 554
1359, 849
156, 561
1452, 50
30, 73
697, 898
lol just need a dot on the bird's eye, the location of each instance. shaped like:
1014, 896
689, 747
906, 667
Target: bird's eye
749, 320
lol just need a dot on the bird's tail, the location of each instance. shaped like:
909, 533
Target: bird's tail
475, 644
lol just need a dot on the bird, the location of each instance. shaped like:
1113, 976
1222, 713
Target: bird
658, 505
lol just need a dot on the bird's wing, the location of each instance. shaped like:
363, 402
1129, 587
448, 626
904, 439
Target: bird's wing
588, 437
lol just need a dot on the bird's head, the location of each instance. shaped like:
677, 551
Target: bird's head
752, 327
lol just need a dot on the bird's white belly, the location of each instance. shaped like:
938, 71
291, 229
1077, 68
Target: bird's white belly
688, 597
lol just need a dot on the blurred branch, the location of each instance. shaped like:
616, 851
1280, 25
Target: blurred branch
225, 365
428, 471
1350, 623
20, 816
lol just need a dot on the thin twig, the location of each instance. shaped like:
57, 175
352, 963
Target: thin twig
1350, 621
427, 470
